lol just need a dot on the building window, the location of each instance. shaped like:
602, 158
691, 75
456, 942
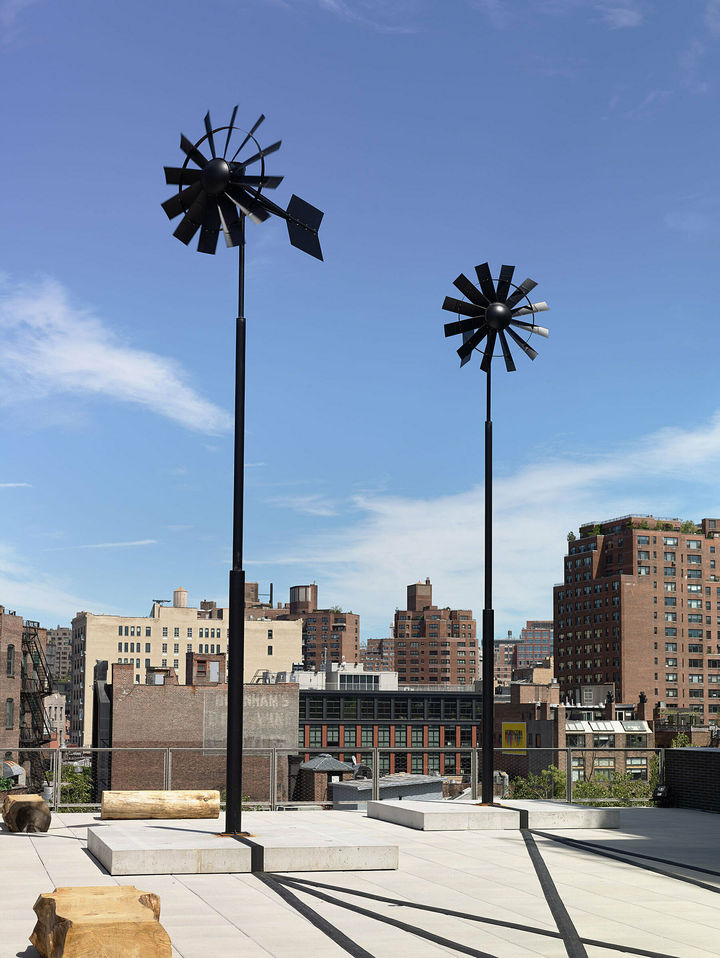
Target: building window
315, 736
148, 631
164, 646
119, 630
176, 648
189, 632
164, 632
269, 648
176, 663
349, 736
147, 663
164, 663
604, 768
9, 713
270, 634
147, 646
176, 632
400, 736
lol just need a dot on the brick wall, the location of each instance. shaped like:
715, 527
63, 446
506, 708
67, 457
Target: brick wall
11, 628
195, 716
693, 775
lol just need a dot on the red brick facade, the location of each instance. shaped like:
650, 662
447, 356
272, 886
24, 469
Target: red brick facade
11, 629
640, 607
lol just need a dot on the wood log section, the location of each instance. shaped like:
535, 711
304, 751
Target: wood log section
25, 813
196, 803
109, 921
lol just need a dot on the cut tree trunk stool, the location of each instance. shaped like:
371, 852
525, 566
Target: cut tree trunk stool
25, 813
161, 804
111, 921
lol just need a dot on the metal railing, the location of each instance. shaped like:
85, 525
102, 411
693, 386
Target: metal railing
274, 778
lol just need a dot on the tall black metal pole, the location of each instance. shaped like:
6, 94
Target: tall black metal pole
236, 643
488, 621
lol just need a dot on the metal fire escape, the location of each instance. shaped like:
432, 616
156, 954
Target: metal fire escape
36, 683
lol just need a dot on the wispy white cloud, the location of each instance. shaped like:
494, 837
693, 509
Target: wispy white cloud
107, 545
400, 16
15, 485
52, 348
10, 14
35, 593
368, 560
615, 14
712, 16
310, 505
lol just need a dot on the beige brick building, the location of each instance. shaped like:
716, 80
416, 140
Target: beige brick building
162, 640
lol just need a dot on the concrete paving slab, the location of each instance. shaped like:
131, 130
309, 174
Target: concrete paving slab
444, 816
159, 850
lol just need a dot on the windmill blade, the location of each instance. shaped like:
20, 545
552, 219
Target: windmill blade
470, 291
181, 202
504, 281
522, 291
266, 151
507, 356
191, 151
486, 281
528, 350
210, 228
532, 308
472, 341
303, 223
453, 305
267, 182
209, 131
466, 336
250, 134
463, 326
531, 327
229, 221
489, 349
190, 223
247, 203
230, 130
181, 175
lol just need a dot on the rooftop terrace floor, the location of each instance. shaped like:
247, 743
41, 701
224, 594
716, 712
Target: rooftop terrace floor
508, 900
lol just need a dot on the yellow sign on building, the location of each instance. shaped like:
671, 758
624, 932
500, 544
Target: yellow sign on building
514, 737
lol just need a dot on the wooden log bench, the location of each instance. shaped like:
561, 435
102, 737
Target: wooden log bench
197, 803
25, 813
111, 921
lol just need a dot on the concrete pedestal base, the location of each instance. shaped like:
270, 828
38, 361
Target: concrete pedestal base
545, 814
288, 847
444, 816
165, 850
276, 846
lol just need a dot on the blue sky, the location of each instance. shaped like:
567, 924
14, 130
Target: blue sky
574, 138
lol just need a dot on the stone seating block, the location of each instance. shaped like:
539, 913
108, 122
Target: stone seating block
26, 813
110, 921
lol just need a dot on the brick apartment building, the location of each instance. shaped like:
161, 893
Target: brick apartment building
534, 645
378, 655
328, 635
433, 645
11, 630
640, 607
58, 653
503, 653
594, 729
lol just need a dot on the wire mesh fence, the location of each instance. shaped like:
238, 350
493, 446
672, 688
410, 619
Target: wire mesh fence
339, 777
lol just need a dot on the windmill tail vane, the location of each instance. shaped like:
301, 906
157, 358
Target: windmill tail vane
216, 192
490, 312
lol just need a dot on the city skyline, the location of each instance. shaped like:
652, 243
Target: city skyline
116, 377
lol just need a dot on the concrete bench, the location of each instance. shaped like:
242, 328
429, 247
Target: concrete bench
196, 803
109, 921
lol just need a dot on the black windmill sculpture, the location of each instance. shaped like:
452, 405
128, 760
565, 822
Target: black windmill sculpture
216, 193
491, 311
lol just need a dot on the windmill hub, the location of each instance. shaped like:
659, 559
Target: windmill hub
216, 176
498, 315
